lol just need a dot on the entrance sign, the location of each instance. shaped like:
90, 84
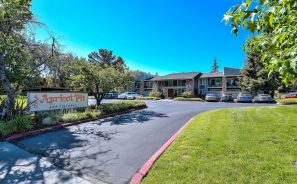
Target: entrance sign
47, 101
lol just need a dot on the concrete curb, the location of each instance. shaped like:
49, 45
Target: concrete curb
149, 163
15, 137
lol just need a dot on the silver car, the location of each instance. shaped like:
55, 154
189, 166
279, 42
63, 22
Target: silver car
263, 98
211, 97
245, 97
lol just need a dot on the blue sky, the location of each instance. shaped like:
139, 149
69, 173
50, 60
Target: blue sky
151, 35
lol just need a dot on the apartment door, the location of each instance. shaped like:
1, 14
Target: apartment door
170, 93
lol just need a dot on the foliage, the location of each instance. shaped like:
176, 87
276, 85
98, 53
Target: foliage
239, 145
287, 101
14, 17
155, 94
274, 23
215, 66
17, 124
99, 80
119, 106
69, 117
188, 99
187, 94
255, 78
147, 98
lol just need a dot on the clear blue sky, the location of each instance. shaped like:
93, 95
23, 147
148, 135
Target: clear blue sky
161, 36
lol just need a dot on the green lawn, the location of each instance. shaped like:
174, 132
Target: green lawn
243, 145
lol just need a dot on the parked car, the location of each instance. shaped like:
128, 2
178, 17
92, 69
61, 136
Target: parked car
245, 97
132, 96
263, 98
290, 95
128, 95
211, 97
111, 96
227, 97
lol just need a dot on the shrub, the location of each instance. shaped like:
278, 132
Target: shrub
70, 117
17, 124
93, 106
147, 98
187, 94
188, 99
156, 94
287, 101
119, 106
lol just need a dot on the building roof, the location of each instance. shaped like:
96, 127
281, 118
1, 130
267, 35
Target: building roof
212, 74
177, 76
231, 71
226, 72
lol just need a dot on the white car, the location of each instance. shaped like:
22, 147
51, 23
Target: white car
132, 96
128, 96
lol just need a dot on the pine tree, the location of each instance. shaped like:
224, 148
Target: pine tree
215, 66
255, 78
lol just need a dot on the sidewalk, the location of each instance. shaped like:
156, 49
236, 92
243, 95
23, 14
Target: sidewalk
19, 166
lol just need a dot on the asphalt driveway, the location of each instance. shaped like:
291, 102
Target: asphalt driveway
112, 150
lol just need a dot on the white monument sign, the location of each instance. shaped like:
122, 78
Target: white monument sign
47, 101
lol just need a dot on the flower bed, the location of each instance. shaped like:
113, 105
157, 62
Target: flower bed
54, 120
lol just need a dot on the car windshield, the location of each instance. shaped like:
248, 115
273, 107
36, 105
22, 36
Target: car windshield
265, 95
210, 94
245, 94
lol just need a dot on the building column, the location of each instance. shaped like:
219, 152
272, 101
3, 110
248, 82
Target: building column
224, 84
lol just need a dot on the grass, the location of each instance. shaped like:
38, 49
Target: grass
243, 145
287, 101
188, 99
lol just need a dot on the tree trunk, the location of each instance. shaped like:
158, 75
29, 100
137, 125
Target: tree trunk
272, 93
9, 106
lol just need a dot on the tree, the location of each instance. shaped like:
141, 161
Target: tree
14, 16
215, 66
106, 59
98, 79
274, 23
255, 78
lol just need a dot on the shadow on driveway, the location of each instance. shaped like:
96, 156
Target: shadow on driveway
134, 117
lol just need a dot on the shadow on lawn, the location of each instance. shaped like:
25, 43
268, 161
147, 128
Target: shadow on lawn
133, 117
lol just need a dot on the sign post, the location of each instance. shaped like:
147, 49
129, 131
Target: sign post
50, 101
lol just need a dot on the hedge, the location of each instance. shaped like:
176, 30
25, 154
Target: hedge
148, 98
120, 106
188, 99
287, 101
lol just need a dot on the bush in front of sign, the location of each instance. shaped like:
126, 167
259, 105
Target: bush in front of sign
17, 124
69, 117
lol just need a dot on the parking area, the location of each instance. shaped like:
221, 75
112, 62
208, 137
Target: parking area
112, 150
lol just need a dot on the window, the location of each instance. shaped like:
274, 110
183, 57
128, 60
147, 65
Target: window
148, 84
137, 84
215, 82
169, 83
232, 82
175, 83
166, 83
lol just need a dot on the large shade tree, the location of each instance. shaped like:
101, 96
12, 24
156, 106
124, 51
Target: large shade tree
15, 15
274, 23
98, 79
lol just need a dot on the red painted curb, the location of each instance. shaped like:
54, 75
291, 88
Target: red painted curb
52, 128
149, 163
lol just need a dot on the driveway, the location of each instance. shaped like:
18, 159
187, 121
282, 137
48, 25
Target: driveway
112, 150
